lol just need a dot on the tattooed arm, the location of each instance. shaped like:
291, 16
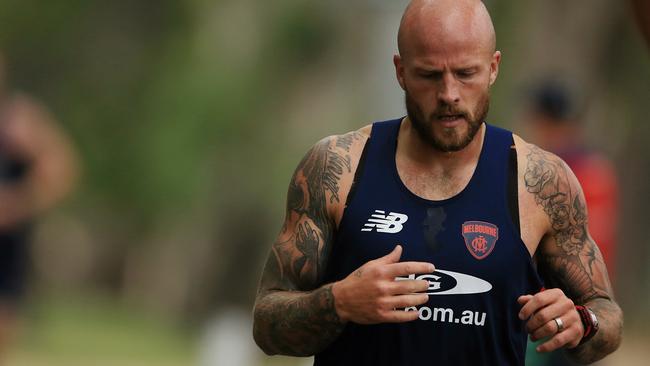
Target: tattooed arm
569, 260
294, 314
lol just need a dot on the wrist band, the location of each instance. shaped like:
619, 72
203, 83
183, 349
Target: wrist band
589, 321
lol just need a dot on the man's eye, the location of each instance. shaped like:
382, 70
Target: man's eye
466, 73
431, 75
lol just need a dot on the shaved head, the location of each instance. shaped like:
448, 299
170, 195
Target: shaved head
430, 23
446, 64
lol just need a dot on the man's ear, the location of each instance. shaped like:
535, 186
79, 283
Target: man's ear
399, 70
494, 66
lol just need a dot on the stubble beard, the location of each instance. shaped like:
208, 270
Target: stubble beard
450, 139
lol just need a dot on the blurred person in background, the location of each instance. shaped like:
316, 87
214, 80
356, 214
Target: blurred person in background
554, 116
37, 170
351, 276
641, 9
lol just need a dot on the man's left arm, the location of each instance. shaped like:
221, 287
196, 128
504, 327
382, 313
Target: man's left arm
572, 266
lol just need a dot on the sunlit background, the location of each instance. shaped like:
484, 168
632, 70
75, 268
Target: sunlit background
189, 117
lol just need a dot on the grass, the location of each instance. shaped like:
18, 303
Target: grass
98, 331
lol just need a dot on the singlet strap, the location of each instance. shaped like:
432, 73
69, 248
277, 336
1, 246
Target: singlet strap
513, 188
357, 173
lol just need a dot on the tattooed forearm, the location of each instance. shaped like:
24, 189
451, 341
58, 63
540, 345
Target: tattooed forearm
293, 314
568, 274
297, 324
608, 337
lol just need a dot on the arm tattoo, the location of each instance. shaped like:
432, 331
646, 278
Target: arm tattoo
571, 265
548, 180
293, 315
574, 262
608, 337
298, 325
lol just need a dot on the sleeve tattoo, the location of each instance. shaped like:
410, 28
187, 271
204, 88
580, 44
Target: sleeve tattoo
294, 312
568, 258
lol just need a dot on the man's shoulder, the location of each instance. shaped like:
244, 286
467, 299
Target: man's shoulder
525, 148
332, 163
349, 138
349, 144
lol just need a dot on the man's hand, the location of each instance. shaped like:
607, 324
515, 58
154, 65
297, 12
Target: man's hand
541, 310
371, 295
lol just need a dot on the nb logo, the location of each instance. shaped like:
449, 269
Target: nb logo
391, 223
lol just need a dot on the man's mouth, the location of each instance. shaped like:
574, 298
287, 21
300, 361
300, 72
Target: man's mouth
450, 117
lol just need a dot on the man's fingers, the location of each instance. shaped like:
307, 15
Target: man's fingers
522, 300
547, 314
399, 316
539, 301
408, 268
407, 287
404, 301
392, 257
545, 330
558, 341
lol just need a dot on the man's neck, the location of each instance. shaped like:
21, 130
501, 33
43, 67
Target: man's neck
422, 155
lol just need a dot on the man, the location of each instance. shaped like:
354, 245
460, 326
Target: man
37, 169
409, 242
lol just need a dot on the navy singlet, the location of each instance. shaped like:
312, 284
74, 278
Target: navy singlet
482, 265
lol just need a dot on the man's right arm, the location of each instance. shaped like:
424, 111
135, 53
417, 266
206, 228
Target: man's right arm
293, 316
295, 313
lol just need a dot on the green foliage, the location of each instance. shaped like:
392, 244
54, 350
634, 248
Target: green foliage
149, 117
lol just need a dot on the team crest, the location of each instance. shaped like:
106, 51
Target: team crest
480, 238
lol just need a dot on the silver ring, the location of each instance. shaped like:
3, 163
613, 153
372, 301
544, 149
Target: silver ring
559, 323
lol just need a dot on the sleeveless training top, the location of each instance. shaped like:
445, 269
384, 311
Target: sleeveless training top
482, 265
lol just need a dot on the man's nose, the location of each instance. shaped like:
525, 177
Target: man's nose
449, 90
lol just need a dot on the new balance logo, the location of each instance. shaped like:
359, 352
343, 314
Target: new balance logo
391, 223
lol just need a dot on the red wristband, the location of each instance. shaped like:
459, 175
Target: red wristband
589, 321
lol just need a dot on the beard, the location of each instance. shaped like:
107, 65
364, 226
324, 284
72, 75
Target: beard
449, 139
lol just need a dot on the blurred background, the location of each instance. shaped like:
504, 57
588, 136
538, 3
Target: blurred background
179, 124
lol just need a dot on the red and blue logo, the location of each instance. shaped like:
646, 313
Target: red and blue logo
480, 238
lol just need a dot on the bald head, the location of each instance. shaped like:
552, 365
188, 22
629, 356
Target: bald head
427, 23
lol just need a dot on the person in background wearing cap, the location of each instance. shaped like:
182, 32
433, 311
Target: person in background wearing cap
554, 115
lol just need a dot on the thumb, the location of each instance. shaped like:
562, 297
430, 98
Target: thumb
392, 257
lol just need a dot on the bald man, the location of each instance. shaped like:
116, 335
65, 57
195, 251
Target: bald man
435, 239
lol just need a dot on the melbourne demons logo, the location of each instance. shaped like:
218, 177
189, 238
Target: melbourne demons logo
480, 238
